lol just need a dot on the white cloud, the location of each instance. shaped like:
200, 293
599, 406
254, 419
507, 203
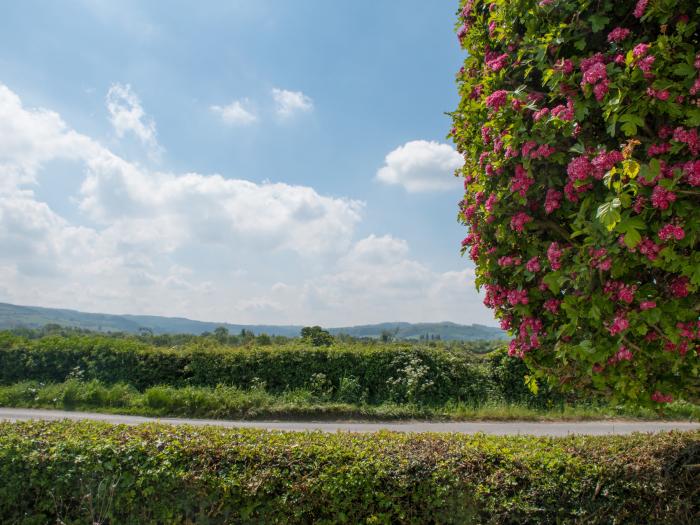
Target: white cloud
235, 113
127, 116
201, 246
289, 103
421, 166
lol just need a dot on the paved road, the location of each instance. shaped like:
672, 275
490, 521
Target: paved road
488, 427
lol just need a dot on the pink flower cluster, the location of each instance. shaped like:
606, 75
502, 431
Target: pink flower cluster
647, 305
519, 220
658, 149
679, 287
661, 94
552, 200
507, 260
533, 265
552, 305
534, 151
658, 396
595, 74
528, 337
498, 62
662, 198
689, 137
521, 181
619, 324
649, 249
691, 170
516, 297
623, 354
600, 259
619, 291
564, 112
671, 231
618, 34
640, 8
554, 255
497, 99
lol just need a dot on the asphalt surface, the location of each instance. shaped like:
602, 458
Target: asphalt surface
560, 428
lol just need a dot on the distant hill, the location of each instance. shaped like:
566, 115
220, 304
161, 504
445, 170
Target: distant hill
13, 316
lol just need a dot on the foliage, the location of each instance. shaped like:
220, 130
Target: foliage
378, 373
71, 473
316, 336
347, 401
579, 122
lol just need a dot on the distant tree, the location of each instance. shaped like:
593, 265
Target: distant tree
221, 334
317, 336
386, 336
145, 331
263, 339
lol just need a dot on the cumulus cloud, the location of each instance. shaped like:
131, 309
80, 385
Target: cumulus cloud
289, 103
128, 116
421, 166
202, 246
235, 113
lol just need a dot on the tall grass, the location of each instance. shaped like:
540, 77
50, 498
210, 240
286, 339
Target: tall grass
256, 403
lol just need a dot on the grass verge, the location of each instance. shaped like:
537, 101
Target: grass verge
225, 402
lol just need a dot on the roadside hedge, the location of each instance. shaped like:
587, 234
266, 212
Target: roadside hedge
367, 373
94, 472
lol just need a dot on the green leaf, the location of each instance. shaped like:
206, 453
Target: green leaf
608, 215
531, 384
552, 281
684, 70
598, 22
630, 123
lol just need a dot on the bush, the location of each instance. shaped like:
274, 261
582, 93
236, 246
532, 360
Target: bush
427, 375
579, 127
94, 472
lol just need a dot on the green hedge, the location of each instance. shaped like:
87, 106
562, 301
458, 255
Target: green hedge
94, 472
351, 372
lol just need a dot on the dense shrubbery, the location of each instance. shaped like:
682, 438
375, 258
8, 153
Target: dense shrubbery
579, 127
398, 372
90, 472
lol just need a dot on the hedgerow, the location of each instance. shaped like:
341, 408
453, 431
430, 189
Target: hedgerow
399, 373
97, 473
578, 122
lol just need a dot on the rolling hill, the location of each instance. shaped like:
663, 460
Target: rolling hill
14, 316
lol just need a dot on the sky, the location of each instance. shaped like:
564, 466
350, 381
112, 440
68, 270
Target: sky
268, 162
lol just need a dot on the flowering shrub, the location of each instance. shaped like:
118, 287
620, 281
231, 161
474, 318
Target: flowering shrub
578, 123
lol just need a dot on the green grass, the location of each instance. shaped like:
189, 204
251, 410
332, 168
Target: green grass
226, 402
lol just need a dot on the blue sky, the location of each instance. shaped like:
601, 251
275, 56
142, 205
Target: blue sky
277, 162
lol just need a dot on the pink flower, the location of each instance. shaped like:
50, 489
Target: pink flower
553, 200
533, 265
497, 99
619, 325
491, 202
516, 297
579, 168
626, 293
595, 73
498, 63
640, 8
519, 220
618, 34
670, 231
552, 305
640, 50
658, 396
688, 137
679, 287
554, 254
521, 181
647, 305
649, 248
658, 149
623, 354
662, 198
